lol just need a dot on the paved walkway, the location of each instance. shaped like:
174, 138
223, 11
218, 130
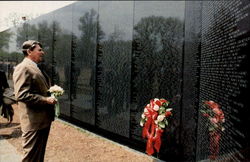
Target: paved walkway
8, 153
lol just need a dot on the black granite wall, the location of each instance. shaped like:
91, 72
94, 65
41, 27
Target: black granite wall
112, 57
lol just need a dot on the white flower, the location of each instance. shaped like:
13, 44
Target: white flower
169, 109
161, 117
145, 110
143, 116
156, 107
156, 121
56, 90
156, 99
141, 123
214, 120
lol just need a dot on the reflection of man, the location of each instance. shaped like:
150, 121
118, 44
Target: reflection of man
37, 109
67, 79
75, 74
6, 111
3, 84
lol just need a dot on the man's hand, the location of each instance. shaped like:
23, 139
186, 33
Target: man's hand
51, 100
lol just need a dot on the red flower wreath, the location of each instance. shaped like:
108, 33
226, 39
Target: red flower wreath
154, 120
215, 115
216, 118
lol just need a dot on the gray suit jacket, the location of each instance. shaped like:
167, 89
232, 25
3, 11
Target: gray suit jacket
30, 88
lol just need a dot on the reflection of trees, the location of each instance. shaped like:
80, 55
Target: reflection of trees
87, 44
84, 51
113, 70
46, 35
27, 31
158, 53
4, 39
157, 64
116, 35
116, 73
62, 56
8, 60
62, 49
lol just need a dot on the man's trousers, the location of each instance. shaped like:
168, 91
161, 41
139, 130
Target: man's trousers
34, 145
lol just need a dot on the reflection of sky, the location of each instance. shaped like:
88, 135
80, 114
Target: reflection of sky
159, 8
119, 14
114, 15
80, 8
70, 14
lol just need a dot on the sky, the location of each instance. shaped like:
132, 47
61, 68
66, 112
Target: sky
29, 9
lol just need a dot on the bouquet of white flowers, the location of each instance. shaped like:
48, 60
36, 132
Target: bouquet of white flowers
56, 91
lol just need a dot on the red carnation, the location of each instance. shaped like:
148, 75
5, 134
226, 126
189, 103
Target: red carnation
212, 104
158, 102
168, 113
163, 100
217, 111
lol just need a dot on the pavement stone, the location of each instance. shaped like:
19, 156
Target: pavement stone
8, 153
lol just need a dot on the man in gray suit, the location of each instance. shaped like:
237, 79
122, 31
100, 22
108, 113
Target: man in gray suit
37, 107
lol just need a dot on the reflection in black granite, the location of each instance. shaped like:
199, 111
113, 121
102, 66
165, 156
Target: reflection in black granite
61, 54
83, 61
114, 53
112, 57
8, 60
157, 65
191, 79
223, 76
45, 34
5, 38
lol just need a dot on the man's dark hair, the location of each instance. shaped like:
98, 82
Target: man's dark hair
31, 45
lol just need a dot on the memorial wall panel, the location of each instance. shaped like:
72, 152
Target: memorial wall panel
83, 63
191, 79
114, 66
157, 66
61, 55
43, 32
223, 79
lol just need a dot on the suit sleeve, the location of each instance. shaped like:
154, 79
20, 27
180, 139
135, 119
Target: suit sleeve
22, 79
